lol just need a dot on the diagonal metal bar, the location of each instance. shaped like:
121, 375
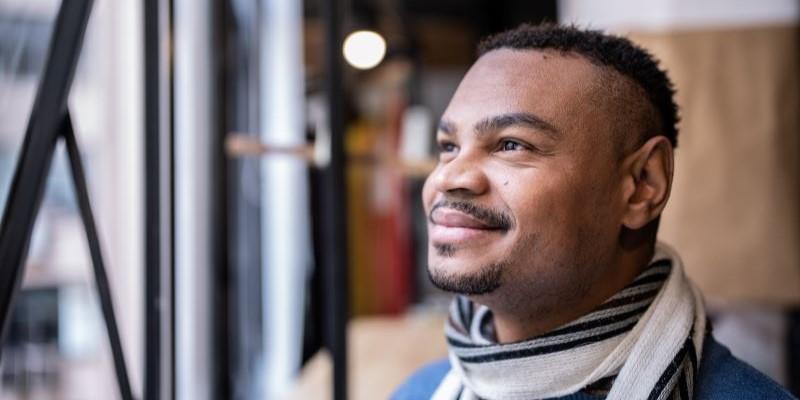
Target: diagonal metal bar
100, 276
30, 175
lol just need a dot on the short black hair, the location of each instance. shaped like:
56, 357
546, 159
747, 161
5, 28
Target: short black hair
601, 49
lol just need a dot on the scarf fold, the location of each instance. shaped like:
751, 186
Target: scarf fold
642, 343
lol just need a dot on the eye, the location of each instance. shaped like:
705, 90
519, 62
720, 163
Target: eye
447, 147
510, 145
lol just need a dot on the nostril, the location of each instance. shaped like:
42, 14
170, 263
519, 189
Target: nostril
471, 180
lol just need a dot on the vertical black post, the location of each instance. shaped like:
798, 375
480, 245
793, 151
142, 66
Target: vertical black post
221, 285
152, 225
30, 175
334, 231
793, 349
158, 267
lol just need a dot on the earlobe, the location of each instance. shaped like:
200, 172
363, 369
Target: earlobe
648, 182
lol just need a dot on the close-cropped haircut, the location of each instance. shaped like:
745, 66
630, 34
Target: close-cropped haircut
599, 48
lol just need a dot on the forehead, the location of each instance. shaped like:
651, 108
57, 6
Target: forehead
559, 88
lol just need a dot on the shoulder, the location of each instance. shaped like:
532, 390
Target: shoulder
424, 382
723, 376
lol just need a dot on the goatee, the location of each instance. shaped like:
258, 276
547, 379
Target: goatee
485, 281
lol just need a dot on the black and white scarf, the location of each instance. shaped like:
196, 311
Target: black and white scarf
642, 343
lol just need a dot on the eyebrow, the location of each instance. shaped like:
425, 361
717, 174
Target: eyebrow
446, 126
502, 121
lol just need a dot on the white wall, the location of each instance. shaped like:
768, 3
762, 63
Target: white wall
627, 15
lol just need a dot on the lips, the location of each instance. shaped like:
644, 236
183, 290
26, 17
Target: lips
452, 226
456, 219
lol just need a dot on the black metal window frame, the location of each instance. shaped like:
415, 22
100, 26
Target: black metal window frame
48, 123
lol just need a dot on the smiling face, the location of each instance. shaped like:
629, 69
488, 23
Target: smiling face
525, 205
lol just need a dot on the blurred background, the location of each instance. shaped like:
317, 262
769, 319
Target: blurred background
255, 169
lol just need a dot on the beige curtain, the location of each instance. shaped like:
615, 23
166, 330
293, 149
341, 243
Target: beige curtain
734, 213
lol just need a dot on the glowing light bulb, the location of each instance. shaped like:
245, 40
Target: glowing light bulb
364, 49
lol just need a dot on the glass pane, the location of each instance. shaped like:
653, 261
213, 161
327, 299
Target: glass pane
30, 353
25, 28
57, 346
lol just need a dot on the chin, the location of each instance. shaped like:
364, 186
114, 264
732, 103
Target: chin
472, 279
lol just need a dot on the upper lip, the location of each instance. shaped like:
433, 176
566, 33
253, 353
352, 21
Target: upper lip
457, 219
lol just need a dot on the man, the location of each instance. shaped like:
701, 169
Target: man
555, 163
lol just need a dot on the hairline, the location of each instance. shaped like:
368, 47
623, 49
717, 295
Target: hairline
622, 143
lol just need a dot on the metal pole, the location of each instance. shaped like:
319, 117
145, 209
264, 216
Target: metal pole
158, 268
285, 222
195, 232
334, 230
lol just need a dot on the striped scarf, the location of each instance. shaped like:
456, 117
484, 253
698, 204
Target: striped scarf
642, 343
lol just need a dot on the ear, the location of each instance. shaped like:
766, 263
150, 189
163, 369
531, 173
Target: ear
647, 181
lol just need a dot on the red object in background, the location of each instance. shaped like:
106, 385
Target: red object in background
381, 248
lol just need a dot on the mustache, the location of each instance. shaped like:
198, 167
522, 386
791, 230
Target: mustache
494, 218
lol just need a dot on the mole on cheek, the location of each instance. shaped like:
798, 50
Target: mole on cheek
505, 183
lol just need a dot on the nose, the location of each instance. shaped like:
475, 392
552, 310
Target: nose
462, 175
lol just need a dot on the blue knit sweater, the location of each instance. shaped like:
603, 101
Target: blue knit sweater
721, 377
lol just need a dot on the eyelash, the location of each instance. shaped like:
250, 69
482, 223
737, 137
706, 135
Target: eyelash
448, 147
505, 142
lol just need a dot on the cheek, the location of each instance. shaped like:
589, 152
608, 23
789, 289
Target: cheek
537, 197
428, 193
553, 209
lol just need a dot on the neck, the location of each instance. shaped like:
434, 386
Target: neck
512, 324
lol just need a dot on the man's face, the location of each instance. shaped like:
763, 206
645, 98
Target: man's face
524, 206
